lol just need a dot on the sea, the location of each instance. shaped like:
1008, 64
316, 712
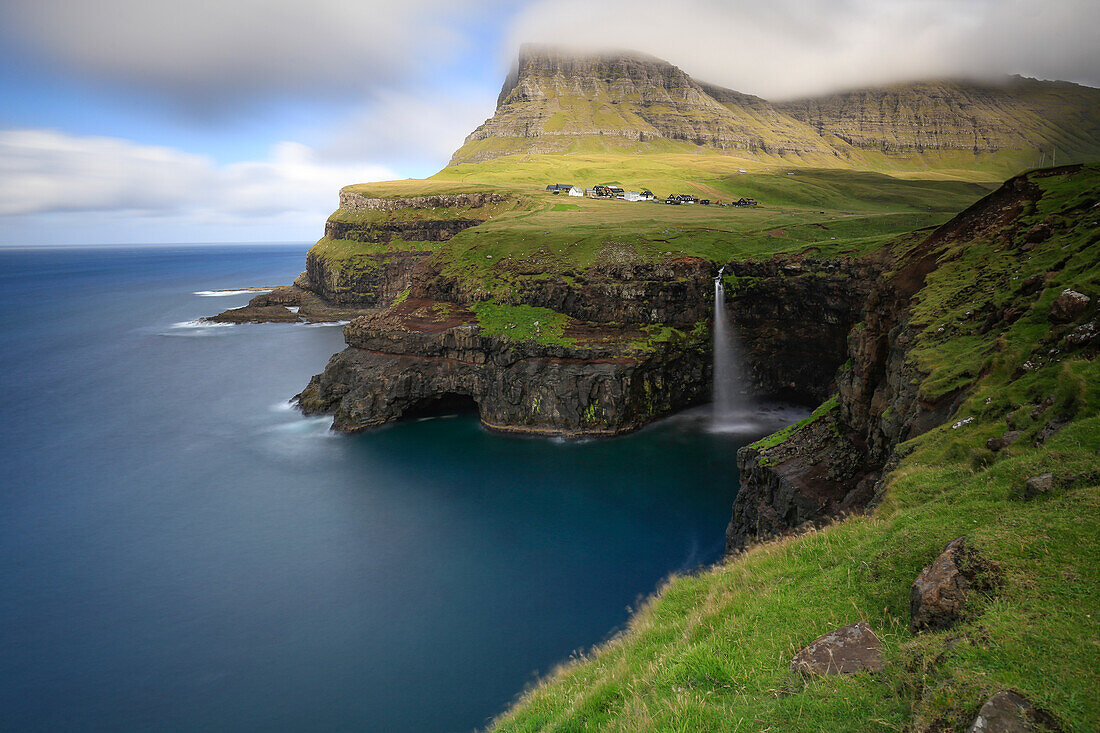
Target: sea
181, 550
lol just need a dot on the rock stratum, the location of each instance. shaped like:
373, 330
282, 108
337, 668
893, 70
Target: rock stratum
608, 371
833, 466
556, 100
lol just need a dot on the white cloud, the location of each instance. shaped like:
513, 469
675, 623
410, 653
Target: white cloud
785, 48
46, 172
412, 128
214, 53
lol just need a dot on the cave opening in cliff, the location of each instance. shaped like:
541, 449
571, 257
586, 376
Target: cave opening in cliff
449, 403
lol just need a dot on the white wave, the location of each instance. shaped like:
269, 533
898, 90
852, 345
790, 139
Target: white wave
316, 427
224, 293
327, 323
199, 323
286, 406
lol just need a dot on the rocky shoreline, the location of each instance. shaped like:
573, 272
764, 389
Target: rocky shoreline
810, 328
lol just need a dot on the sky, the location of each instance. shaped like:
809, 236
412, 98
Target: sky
145, 121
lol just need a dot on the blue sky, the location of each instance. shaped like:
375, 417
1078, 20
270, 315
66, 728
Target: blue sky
145, 121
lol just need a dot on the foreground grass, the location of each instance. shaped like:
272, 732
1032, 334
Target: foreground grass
711, 651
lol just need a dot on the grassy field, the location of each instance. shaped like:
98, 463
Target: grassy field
820, 212
663, 162
711, 651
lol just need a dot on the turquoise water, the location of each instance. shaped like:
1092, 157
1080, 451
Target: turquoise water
179, 550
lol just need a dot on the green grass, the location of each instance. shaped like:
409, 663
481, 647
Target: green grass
711, 651
781, 436
494, 256
522, 322
818, 211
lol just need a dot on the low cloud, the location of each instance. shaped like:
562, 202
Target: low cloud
50, 172
408, 129
787, 48
215, 54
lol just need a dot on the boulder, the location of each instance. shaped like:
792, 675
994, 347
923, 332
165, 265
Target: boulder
1039, 233
1008, 712
939, 593
1038, 485
1083, 334
1068, 306
1032, 284
853, 648
996, 444
256, 314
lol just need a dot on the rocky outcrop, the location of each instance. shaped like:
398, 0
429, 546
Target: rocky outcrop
940, 593
850, 649
362, 280
423, 357
832, 466
958, 115
288, 304
426, 230
792, 314
554, 96
799, 483
1010, 712
1068, 306
353, 201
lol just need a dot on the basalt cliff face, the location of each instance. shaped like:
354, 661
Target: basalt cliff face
833, 465
426, 357
605, 375
555, 100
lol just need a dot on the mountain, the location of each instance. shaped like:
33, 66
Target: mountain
558, 101
554, 100
1019, 114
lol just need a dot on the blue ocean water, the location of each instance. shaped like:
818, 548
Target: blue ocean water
181, 551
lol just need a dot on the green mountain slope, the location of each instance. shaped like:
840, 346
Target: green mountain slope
624, 103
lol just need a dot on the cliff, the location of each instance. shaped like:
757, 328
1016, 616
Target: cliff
595, 356
426, 357
888, 394
1015, 114
554, 98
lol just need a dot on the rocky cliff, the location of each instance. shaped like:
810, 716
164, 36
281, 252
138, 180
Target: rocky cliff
633, 345
554, 97
426, 357
1014, 114
832, 464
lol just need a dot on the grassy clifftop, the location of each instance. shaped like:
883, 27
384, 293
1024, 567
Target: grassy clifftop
711, 651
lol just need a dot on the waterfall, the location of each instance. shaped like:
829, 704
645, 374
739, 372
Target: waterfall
730, 409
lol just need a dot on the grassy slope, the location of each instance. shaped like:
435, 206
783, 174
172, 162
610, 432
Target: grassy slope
710, 651
821, 211
671, 156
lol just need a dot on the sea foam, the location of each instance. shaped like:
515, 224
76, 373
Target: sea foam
199, 323
223, 293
